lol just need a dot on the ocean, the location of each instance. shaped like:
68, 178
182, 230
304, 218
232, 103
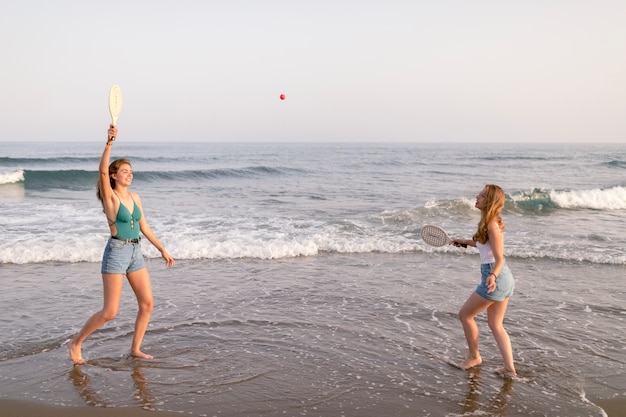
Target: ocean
302, 286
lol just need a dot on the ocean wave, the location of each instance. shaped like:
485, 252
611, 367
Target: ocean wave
73, 179
541, 200
532, 201
24, 348
218, 173
256, 244
12, 177
616, 164
597, 199
51, 161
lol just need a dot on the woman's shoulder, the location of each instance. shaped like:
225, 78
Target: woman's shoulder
494, 225
135, 197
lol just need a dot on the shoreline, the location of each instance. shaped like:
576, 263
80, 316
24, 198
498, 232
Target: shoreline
9, 407
30, 408
613, 407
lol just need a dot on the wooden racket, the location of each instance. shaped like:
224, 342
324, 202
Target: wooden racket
436, 236
115, 103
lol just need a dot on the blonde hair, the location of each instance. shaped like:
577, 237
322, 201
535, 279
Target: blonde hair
493, 203
113, 168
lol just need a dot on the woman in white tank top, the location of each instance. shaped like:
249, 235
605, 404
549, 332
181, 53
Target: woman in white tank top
497, 283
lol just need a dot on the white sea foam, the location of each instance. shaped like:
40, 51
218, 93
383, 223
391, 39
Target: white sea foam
281, 201
598, 199
12, 177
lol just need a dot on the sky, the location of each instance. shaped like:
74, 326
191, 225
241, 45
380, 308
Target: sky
405, 71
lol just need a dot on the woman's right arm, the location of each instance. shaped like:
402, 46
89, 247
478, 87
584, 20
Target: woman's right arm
468, 242
105, 184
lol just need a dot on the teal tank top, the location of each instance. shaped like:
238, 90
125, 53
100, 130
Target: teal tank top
127, 223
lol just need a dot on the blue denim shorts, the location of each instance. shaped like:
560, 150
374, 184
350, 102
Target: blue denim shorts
505, 284
122, 257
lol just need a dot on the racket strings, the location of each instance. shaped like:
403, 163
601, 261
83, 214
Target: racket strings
434, 236
115, 101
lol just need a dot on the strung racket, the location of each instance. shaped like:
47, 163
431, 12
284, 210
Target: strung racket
115, 103
436, 236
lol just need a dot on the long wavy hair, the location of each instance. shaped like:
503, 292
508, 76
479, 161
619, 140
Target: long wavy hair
493, 205
113, 168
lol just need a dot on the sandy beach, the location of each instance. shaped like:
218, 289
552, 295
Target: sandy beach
615, 407
21, 408
358, 335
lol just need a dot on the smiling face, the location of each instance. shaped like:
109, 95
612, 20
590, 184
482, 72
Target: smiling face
480, 199
124, 175
120, 172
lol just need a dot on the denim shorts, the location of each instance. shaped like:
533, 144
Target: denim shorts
121, 257
505, 284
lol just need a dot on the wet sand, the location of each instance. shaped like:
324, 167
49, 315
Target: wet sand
264, 338
21, 408
615, 407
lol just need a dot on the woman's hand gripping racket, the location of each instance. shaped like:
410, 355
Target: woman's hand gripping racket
115, 104
436, 236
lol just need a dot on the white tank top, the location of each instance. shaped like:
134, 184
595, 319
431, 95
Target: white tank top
486, 253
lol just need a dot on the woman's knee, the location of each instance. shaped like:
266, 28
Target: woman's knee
146, 306
109, 314
465, 316
468, 312
495, 325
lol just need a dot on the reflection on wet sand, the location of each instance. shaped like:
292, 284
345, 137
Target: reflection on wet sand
143, 394
82, 382
496, 405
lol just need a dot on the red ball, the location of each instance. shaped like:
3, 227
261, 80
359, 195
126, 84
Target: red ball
282, 96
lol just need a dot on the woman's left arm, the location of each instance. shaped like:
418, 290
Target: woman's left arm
149, 234
496, 240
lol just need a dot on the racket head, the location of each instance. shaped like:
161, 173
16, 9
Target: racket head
115, 103
435, 235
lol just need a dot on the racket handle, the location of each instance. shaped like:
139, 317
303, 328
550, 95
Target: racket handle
114, 123
113, 120
457, 244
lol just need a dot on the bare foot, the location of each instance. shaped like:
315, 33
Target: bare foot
75, 353
470, 362
140, 354
505, 373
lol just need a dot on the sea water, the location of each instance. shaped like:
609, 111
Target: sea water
272, 201
302, 286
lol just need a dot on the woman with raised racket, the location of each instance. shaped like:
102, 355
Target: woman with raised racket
122, 254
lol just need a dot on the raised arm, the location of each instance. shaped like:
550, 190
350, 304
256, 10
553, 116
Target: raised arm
105, 192
105, 185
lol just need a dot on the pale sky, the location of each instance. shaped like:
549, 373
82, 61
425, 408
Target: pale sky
352, 71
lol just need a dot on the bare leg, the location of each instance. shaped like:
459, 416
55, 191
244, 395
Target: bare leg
140, 283
472, 307
112, 284
495, 317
